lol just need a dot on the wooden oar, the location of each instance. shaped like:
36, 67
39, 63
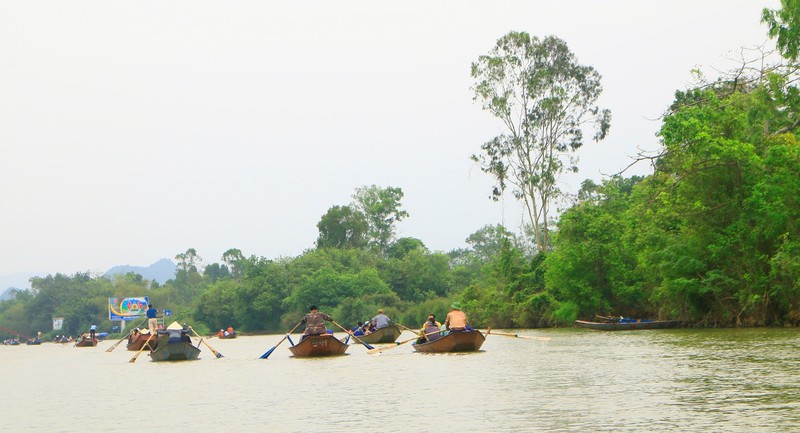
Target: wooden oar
407, 328
517, 336
114, 346
272, 349
217, 354
146, 343
397, 344
128, 335
354, 337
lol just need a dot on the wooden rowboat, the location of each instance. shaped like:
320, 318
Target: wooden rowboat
225, 337
467, 341
174, 344
628, 324
86, 342
318, 345
388, 334
178, 351
137, 342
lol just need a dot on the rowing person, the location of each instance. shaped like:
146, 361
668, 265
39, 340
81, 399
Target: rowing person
456, 320
429, 331
315, 322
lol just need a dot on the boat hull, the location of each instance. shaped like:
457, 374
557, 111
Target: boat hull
318, 345
389, 334
87, 342
179, 351
469, 341
628, 326
139, 340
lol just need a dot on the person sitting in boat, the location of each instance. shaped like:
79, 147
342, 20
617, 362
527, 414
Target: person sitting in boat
456, 320
381, 320
221, 333
185, 336
357, 331
367, 328
315, 322
230, 331
132, 336
429, 331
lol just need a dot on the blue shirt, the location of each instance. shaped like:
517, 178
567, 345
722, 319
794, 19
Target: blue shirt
151, 313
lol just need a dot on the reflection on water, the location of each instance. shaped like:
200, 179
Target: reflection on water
581, 380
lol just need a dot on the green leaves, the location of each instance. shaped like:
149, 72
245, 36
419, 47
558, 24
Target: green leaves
784, 26
544, 98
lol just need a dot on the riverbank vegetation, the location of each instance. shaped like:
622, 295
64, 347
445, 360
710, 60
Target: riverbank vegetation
711, 237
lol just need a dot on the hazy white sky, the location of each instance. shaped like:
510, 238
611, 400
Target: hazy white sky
132, 131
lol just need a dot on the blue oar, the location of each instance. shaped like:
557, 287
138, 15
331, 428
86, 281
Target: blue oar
354, 337
269, 352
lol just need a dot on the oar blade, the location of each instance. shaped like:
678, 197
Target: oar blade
268, 353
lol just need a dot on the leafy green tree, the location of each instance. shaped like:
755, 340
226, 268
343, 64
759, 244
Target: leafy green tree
233, 258
592, 269
382, 209
342, 227
188, 283
487, 242
218, 305
188, 261
215, 271
784, 26
537, 88
418, 275
403, 246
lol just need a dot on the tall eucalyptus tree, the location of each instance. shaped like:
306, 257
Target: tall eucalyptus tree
545, 98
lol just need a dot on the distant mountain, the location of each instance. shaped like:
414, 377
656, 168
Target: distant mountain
160, 271
15, 281
8, 293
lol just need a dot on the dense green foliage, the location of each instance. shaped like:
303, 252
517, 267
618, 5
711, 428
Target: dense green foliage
711, 237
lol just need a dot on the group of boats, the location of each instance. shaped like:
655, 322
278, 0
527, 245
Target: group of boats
328, 345
175, 344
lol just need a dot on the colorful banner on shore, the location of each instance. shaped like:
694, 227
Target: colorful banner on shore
127, 308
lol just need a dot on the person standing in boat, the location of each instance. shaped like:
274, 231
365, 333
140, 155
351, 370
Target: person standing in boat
381, 320
315, 322
92, 331
152, 321
456, 320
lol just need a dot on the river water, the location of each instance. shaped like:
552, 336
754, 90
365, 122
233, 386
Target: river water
580, 381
